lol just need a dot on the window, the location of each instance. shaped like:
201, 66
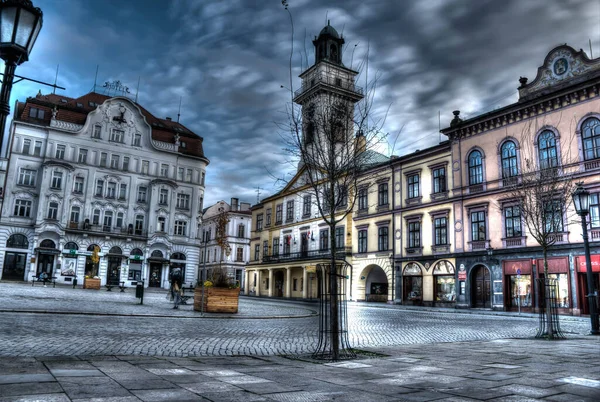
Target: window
111, 190
382, 238
440, 228
180, 174
60, 152
289, 212
512, 221
56, 180
75, 214
362, 241
265, 248
96, 133
591, 138
123, 191
268, 217
99, 188
36, 113
259, 222
120, 219
324, 239
509, 159
202, 181
126, 163
103, 159
183, 201
287, 245
114, 161
340, 238
26, 146
142, 193
108, 217
279, 214
275, 246
239, 256
343, 196
553, 216
78, 185
413, 186
37, 148
295, 284
414, 234
478, 231
139, 224
594, 211
27, 177
163, 196
382, 194
117, 135
53, 210
188, 175
475, 168
306, 205
256, 252
162, 224
96, 217
82, 158
145, 167
137, 140
363, 199
439, 180
241, 231
547, 150
164, 170
180, 228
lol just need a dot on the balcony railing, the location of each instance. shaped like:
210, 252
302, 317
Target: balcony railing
106, 229
308, 255
322, 78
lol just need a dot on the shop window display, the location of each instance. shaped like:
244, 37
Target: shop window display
413, 283
520, 288
445, 289
562, 289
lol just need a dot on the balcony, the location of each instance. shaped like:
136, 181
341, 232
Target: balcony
340, 254
328, 81
104, 229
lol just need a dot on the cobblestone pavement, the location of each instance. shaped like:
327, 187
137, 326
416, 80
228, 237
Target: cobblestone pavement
271, 328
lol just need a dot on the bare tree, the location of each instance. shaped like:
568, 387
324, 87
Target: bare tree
542, 191
220, 277
332, 137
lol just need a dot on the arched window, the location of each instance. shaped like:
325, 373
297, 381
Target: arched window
115, 250
17, 241
547, 150
591, 138
178, 256
71, 246
93, 247
136, 251
157, 254
48, 244
475, 168
509, 159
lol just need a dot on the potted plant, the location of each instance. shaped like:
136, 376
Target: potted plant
92, 281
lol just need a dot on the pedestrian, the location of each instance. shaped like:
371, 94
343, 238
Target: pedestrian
43, 277
176, 279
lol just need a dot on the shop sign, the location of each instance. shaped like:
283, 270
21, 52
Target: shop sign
462, 275
595, 260
311, 269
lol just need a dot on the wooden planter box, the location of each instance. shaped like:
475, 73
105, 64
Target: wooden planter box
217, 300
91, 283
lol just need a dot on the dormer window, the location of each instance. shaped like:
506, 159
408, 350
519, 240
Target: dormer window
183, 144
63, 101
117, 135
79, 104
36, 113
97, 132
92, 104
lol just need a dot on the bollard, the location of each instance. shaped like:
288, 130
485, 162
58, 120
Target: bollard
139, 291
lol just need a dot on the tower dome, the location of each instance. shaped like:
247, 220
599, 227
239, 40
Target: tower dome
328, 45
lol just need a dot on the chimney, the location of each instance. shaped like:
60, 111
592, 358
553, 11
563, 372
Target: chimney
361, 143
168, 118
234, 204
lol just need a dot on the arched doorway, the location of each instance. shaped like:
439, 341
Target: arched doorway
412, 284
135, 265
156, 263
15, 261
278, 279
46, 253
113, 274
92, 261
178, 261
480, 287
376, 284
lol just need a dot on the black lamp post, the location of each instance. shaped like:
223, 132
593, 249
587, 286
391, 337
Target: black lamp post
20, 24
582, 206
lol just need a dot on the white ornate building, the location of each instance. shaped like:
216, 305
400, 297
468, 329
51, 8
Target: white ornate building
103, 172
238, 237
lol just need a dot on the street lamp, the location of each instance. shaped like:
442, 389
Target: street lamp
20, 24
582, 207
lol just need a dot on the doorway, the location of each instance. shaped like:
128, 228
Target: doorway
155, 275
583, 291
480, 289
304, 244
45, 264
14, 266
278, 291
113, 277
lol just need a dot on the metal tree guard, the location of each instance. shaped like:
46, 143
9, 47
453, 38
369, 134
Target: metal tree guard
549, 299
324, 347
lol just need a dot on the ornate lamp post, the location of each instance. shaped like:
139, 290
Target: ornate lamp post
20, 24
582, 206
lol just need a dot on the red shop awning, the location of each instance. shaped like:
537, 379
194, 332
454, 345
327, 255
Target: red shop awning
581, 267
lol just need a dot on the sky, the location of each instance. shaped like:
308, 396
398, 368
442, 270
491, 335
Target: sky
229, 62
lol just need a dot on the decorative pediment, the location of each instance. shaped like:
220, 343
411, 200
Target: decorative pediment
77, 201
562, 66
166, 182
22, 194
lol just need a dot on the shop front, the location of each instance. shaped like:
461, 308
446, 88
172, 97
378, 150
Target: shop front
582, 289
412, 284
444, 284
518, 285
558, 272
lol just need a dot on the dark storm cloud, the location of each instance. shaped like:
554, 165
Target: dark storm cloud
227, 60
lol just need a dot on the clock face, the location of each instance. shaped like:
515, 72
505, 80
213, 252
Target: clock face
561, 66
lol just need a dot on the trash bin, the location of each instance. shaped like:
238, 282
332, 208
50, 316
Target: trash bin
74, 282
139, 291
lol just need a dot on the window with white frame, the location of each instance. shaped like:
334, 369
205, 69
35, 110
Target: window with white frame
512, 221
547, 152
279, 214
97, 132
363, 199
440, 231
183, 201
26, 146
265, 248
99, 188
590, 133
163, 196
256, 252
180, 172
414, 234
78, 185
120, 220
96, 217
60, 152
122, 191
52, 210
27, 177
362, 240
37, 148
239, 257
413, 186
137, 140
36, 113
306, 205
268, 217
475, 168
594, 210
114, 161
180, 227
108, 218
324, 239
241, 231
103, 159
56, 182
383, 238
82, 157
439, 179
259, 222
145, 167
289, 213
188, 175
161, 224
75, 212
508, 153
164, 170
117, 135
111, 189
126, 163
142, 194
139, 224
275, 246
22, 208
382, 194
340, 237
553, 216
478, 226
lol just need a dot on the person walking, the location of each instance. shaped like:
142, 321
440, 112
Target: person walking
176, 279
